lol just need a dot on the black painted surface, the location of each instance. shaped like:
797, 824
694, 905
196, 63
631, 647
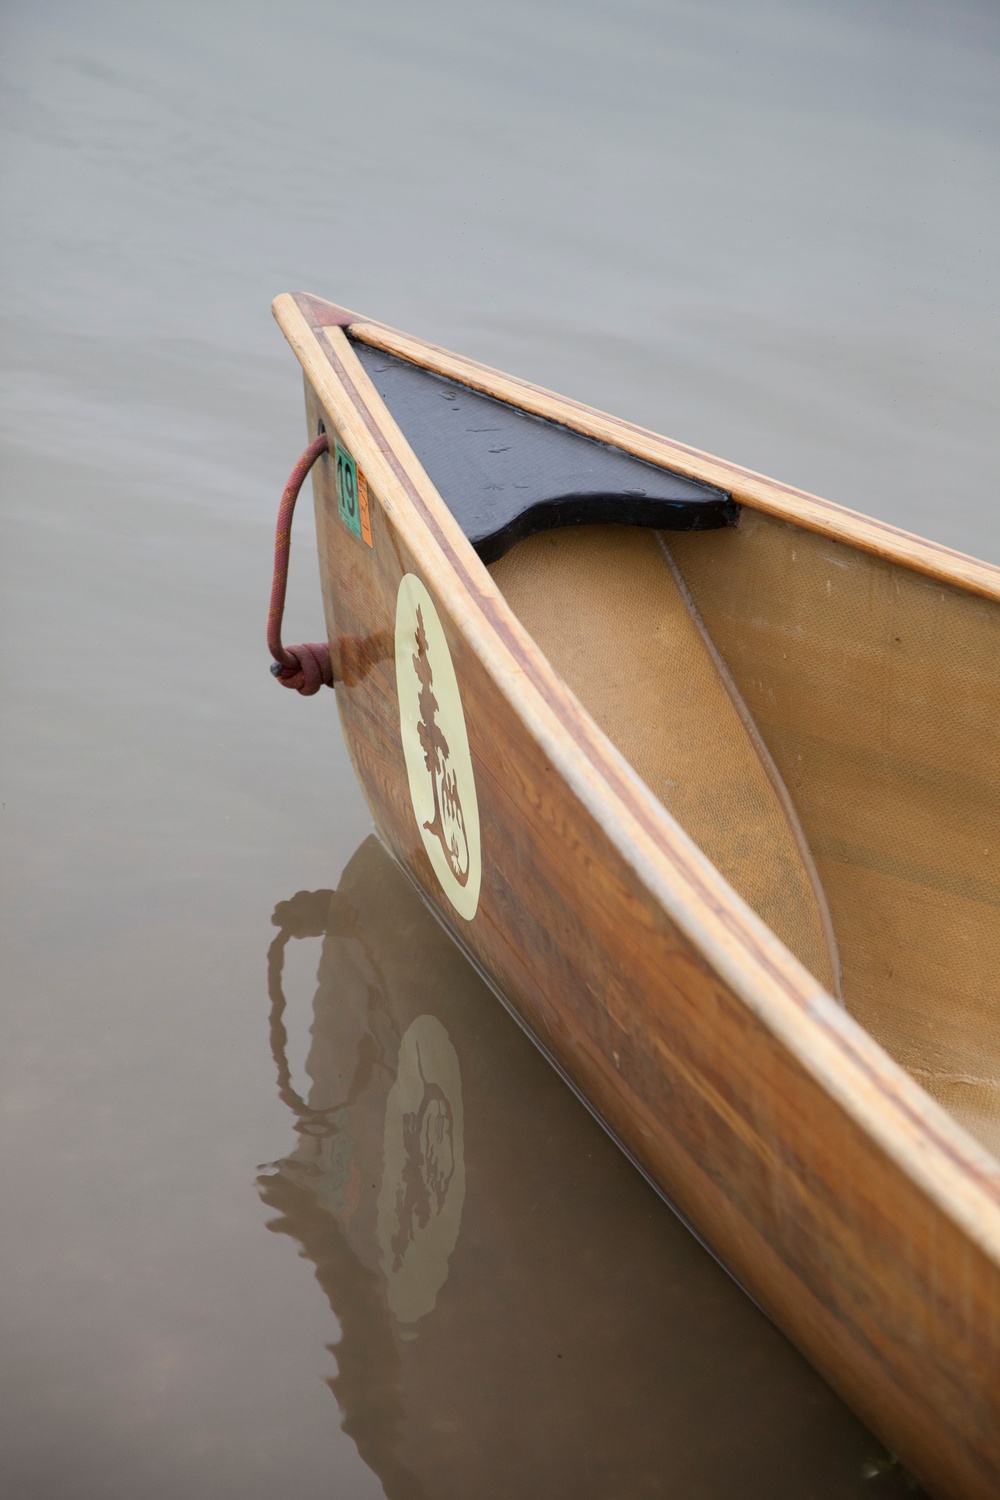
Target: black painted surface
505, 474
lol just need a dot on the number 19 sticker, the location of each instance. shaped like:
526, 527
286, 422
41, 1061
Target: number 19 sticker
352, 495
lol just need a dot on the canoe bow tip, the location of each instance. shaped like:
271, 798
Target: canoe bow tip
317, 310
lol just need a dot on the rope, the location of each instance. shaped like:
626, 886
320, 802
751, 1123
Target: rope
305, 668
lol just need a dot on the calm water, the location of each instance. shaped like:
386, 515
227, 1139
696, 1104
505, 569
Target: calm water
769, 230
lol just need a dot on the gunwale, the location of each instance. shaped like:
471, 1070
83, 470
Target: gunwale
958, 1174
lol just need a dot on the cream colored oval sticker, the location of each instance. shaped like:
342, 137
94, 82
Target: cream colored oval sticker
436, 747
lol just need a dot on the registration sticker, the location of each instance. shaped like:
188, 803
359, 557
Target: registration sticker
352, 495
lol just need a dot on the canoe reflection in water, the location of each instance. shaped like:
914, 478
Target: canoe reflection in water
520, 1314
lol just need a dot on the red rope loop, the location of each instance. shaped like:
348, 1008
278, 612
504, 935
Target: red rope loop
305, 668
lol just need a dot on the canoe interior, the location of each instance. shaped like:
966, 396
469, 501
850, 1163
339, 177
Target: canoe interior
612, 614
505, 474
826, 726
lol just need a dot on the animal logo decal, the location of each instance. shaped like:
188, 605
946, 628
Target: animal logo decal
448, 823
436, 747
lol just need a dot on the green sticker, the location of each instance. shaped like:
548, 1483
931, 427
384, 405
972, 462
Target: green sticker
347, 489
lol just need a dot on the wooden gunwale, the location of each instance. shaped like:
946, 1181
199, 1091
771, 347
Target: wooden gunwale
959, 1175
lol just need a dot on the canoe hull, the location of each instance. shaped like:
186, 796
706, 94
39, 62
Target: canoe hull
773, 1123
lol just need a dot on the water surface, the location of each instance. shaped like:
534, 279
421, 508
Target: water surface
769, 231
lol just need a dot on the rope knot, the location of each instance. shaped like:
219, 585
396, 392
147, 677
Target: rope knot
305, 668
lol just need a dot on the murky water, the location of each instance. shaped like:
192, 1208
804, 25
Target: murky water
767, 230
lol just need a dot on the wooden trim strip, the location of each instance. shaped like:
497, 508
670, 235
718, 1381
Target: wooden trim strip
910, 1127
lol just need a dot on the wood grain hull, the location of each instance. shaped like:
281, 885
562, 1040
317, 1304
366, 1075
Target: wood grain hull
852, 1208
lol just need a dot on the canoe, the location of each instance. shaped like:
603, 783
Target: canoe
703, 774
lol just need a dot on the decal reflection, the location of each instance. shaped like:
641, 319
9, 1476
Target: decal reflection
423, 1169
519, 1314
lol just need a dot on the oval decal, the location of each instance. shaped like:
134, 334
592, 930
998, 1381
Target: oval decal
436, 747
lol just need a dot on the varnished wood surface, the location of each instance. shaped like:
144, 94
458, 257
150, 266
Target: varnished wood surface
608, 608
851, 1206
877, 691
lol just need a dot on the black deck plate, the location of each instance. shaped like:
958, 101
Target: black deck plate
505, 474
